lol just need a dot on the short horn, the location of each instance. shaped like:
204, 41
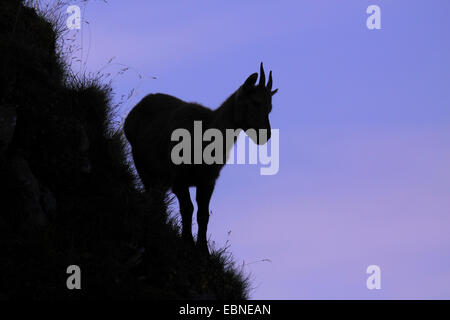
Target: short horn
262, 76
269, 83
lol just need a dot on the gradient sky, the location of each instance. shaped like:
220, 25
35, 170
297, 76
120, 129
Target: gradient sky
364, 120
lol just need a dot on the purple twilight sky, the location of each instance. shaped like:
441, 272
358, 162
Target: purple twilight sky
364, 120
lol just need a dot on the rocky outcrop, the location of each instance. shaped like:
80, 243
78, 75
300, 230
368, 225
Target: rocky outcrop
8, 119
68, 194
27, 191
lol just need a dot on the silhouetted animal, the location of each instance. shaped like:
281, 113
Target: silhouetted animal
149, 126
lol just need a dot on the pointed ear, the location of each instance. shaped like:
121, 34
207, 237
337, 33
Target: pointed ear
251, 80
274, 91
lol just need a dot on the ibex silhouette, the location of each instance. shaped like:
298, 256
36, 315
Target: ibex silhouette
149, 126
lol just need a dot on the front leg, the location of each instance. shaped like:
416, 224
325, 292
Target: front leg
203, 196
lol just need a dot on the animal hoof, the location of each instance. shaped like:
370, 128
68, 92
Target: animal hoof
189, 241
203, 249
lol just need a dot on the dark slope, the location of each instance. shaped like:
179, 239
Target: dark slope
68, 195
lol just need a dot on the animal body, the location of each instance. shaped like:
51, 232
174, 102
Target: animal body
149, 127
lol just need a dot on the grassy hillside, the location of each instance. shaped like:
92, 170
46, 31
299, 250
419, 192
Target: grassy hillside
68, 195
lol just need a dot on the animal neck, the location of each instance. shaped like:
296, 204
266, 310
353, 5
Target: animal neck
223, 119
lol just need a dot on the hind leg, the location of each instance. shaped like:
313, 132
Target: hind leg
155, 187
140, 168
186, 211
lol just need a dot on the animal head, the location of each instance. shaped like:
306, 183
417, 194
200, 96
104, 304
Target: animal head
253, 103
